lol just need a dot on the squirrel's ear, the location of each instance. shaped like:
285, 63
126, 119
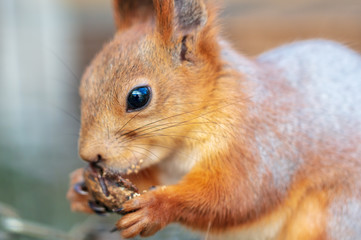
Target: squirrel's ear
191, 15
128, 12
179, 17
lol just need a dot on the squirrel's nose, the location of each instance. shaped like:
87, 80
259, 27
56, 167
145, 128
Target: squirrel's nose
93, 151
92, 159
92, 155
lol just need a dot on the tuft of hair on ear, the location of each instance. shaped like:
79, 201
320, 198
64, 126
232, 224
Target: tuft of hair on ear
197, 26
177, 18
130, 12
190, 15
190, 23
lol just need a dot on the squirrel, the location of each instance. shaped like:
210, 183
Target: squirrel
246, 148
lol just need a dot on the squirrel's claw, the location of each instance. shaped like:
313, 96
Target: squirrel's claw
100, 210
80, 188
77, 197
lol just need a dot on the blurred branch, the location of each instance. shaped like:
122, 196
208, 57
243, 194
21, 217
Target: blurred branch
6, 210
11, 223
26, 228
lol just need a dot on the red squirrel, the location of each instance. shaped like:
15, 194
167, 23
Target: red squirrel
263, 148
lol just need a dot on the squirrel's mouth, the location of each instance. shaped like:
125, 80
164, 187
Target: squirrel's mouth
98, 173
133, 166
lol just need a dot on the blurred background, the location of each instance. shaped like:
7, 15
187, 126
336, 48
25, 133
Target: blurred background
45, 46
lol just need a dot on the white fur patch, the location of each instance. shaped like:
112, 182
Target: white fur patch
345, 219
175, 168
325, 78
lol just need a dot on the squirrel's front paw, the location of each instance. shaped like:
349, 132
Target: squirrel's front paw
144, 215
78, 196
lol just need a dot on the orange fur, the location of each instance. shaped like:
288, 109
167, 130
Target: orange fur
201, 135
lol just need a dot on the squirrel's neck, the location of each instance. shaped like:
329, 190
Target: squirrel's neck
223, 119
267, 136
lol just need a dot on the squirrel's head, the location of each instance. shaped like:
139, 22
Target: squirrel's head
147, 92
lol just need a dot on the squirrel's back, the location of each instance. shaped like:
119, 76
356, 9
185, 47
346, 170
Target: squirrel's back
314, 95
326, 73
307, 123
327, 78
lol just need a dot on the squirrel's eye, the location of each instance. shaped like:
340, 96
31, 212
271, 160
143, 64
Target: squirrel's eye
138, 98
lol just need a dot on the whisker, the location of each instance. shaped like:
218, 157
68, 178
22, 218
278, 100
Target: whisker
153, 145
208, 230
195, 102
68, 113
120, 155
135, 157
204, 132
144, 134
189, 112
177, 124
132, 151
146, 150
161, 146
165, 135
77, 78
162, 119
119, 131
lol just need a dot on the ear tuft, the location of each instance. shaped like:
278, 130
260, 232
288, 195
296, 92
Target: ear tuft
190, 14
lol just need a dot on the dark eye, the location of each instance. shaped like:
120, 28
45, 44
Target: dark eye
138, 98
